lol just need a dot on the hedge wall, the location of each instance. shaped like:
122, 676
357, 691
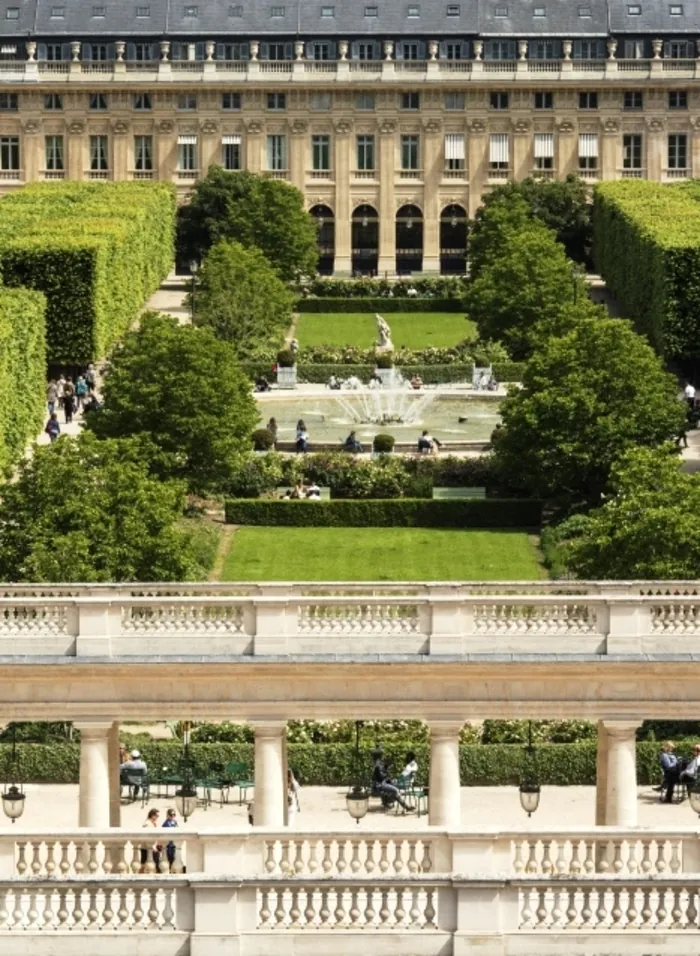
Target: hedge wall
96, 250
319, 374
386, 513
332, 765
647, 248
381, 305
22, 371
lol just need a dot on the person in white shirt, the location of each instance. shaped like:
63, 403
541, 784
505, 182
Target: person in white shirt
688, 775
689, 392
313, 492
134, 763
410, 766
293, 788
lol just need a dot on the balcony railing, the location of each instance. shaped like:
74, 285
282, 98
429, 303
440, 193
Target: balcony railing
677, 173
319, 173
53, 174
142, 174
10, 174
365, 173
416, 620
97, 174
410, 173
632, 173
588, 173
188, 174
499, 174
276, 173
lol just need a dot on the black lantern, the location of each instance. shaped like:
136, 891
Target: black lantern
13, 795
357, 797
186, 796
529, 782
194, 266
694, 796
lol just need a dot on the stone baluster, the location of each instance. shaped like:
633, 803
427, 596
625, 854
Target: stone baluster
295, 908
541, 912
561, 865
413, 865
661, 910
400, 909
269, 850
646, 911
355, 913
383, 855
661, 864
78, 912
324, 912
575, 866
617, 865
430, 908
21, 865
384, 911
327, 863
32, 918
370, 864
398, 856
647, 865
299, 856
355, 864
571, 913
691, 910
169, 909
108, 912
617, 911
675, 864
64, 863
137, 911
518, 861
153, 910
339, 912
602, 909
122, 907
4, 912
632, 913
558, 909
62, 913
310, 908
676, 909
532, 866
50, 864
341, 863
36, 858
427, 864
589, 862
93, 914
586, 907
285, 864
265, 912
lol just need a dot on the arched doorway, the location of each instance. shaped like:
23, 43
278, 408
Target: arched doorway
325, 224
453, 240
365, 241
409, 240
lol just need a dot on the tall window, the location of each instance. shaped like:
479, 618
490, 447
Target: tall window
588, 151
99, 153
99, 52
230, 101
98, 101
678, 100
543, 147
143, 153
54, 152
276, 102
677, 151
498, 101
321, 152
231, 152
366, 51
410, 152
9, 102
588, 100
410, 101
187, 101
187, 153
320, 101
632, 151
365, 153
142, 101
454, 151
454, 101
9, 153
499, 151
277, 152
544, 101
633, 100
53, 101
364, 101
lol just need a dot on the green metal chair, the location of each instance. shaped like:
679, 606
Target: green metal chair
239, 776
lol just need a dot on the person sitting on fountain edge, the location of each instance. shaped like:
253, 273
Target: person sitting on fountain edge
428, 445
352, 443
416, 382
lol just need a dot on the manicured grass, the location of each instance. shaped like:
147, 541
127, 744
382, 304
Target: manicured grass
414, 330
380, 554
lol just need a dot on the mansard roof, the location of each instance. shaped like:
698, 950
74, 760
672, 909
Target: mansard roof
347, 18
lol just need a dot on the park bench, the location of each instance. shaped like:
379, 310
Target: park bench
448, 494
283, 489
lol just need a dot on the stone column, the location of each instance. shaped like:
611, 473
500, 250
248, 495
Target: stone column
521, 142
115, 803
299, 151
444, 799
94, 799
432, 177
270, 786
76, 161
343, 212
254, 147
601, 768
165, 159
387, 208
566, 146
621, 777
610, 146
656, 159
478, 156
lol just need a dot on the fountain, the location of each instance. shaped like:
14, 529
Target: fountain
385, 406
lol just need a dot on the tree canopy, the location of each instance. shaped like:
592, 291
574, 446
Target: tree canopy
563, 207
241, 299
650, 528
182, 389
587, 397
88, 510
525, 289
255, 211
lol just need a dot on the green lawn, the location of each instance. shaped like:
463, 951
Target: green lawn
380, 554
414, 330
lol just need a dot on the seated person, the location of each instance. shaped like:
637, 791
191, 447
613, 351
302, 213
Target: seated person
134, 764
262, 384
381, 785
688, 775
298, 491
410, 768
671, 769
313, 492
334, 382
428, 445
416, 382
352, 443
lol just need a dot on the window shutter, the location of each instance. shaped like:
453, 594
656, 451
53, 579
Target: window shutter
544, 146
65, 51
131, 51
199, 50
289, 51
355, 50
556, 50
264, 51
498, 148
183, 140
332, 51
176, 50
231, 140
220, 52
466, 49
86, 51
244, 51
422, 52
111, 51
399, 50
588, 145
489, 50
667, 48
578, 50
42, 52
442, 50
154, 51
309, 50
454, 146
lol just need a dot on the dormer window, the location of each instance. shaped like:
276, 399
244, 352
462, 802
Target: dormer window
634, 10
143, 12
371, 11
675, 10
585, 12
500, 12
235, 11
98, 11
12, 13
539, 12
191, 11
413, 12
453, 10
58, 13
277, 11
327, 11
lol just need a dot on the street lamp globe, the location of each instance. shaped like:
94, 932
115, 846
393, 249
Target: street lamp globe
529, 797
13, 802
194, 265
694, 796
357, 800
186, 801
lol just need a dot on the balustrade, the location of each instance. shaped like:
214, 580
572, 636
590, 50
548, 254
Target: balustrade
562, 856
338, 856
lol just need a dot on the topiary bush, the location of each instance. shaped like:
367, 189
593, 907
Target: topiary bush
385, 360
263, 439
286, 358
383, 443
96, 250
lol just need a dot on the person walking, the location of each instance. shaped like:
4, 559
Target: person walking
293, 788
302, 437
91, 377
53, 427
170, 822
51, 396
69, 399
60, 385
272, 428
81, 390
153, 850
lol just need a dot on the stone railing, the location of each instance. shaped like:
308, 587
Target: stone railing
423, 893
412, 620
340, 71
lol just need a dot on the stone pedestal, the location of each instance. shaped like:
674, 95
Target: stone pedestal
444, 798
621, 773
94, 797
270, 783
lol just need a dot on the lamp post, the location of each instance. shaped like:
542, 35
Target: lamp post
694, 796
194, 266
13, 794
357, 798
576, 275
186, 796
529, 783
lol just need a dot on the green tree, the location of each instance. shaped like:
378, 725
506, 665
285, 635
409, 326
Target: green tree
650, 528
503, 216
88, 510
182, 389
564, 207
586, 399
241, 299
527, 291
255, 211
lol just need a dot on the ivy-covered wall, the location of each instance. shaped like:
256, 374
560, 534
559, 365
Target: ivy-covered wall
96, 250
647, 248
22, 371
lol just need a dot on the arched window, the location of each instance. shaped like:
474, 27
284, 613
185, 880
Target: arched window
453, 240
365, 240
409, 240
325, 224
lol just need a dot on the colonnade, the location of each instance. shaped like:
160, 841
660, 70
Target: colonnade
99, 798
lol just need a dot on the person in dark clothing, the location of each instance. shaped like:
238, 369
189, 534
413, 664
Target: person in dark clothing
69, 399
671, 769
382, 786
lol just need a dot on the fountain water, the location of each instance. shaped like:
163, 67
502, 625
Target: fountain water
386, 406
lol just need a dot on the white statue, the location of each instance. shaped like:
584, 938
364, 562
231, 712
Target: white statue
384, 343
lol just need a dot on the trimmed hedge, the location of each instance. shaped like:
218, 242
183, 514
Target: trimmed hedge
96, 250
444, 287
22, 371
647, 248
386, 513
319, 374
332, 765
380, 305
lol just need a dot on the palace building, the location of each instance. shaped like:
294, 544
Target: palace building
392, 116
